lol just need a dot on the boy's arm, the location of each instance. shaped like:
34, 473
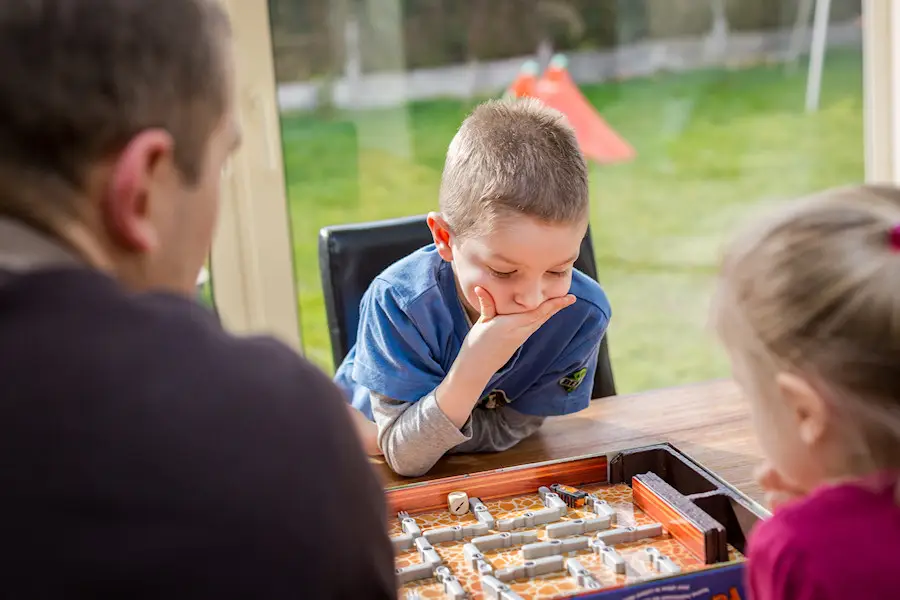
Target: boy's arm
415, 436
397, 360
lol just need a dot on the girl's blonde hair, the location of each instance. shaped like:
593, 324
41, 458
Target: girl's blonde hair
815, 290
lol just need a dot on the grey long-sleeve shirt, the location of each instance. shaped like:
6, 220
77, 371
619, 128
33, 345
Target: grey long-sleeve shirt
414, 435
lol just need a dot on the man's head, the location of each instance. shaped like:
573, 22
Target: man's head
115, 121
514, 204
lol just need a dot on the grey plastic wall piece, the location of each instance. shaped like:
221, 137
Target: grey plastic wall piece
408, 524
555, 547
660, 562
404, 541
455, 533
531, 568
577, 527
504, 540
494, 589
413, 573
453, 589
626, 535
551, 499
481, 512
476, 561
530, 519
583, 577
427, 552
602, 508
610, 557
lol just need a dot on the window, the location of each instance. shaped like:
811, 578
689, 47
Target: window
721, 102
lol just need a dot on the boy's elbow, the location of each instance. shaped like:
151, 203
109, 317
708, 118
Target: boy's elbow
403, 466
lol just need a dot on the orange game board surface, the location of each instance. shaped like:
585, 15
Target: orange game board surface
548, 586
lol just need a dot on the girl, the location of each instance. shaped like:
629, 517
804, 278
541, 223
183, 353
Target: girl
808, 308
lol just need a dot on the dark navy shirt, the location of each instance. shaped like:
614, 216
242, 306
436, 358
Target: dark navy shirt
147, 453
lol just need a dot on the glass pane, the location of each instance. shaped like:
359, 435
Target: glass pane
715, 98
205, 288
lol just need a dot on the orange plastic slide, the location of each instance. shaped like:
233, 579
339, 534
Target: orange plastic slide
598, 141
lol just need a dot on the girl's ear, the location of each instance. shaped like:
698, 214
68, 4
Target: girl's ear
440, 233
806, 406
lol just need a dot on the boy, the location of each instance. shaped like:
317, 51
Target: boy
451, 352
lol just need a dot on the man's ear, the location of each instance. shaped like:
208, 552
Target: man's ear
440, 233
805, 405
127, 198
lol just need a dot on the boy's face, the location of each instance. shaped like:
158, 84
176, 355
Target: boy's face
521, 263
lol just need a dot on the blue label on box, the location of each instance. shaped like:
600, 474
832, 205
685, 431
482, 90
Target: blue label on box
722, 583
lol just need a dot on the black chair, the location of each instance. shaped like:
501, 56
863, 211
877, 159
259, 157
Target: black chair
351, 256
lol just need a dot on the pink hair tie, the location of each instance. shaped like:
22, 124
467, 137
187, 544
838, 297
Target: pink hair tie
894, 238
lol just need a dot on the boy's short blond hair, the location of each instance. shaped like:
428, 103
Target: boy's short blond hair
513, 157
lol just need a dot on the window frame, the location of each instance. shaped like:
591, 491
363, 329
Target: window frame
251, 263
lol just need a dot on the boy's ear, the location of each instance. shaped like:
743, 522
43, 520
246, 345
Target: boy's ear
440, 233
806, 406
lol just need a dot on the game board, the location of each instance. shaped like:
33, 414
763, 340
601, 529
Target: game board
602, 526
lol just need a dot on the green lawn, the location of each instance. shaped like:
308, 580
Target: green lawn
713, 147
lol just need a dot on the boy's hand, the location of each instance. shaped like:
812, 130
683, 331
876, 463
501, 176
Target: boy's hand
778, 491
488, 346
494, 338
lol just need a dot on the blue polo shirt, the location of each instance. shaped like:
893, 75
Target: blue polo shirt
412, 324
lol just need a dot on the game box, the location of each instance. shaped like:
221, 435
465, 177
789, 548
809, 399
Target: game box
640, 524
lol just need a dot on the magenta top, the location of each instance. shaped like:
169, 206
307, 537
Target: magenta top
841, 541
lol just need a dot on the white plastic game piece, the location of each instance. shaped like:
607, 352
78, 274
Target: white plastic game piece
583, 577
481, 512
626, 535
471, 553
455, 533
577, 527
427, 552
602, 508
476, 560
458, 503
408, 524
531, 568
494, 589
530, 519
555, 547
552, 500
413, 573
608, 555
453, 589
404, 541
660, 562
504, 540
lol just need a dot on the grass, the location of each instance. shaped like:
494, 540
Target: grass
713, 147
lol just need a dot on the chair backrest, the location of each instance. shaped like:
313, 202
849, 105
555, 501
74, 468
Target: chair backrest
351, 256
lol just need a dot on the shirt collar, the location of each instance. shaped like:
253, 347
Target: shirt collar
24, 248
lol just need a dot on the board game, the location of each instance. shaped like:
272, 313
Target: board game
638, 524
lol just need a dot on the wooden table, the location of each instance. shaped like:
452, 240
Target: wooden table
709, 421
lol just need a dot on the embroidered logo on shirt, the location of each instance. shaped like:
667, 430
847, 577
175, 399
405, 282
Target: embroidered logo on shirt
571, 381
495, 399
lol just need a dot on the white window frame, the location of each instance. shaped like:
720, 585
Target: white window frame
881, 90
252, 258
